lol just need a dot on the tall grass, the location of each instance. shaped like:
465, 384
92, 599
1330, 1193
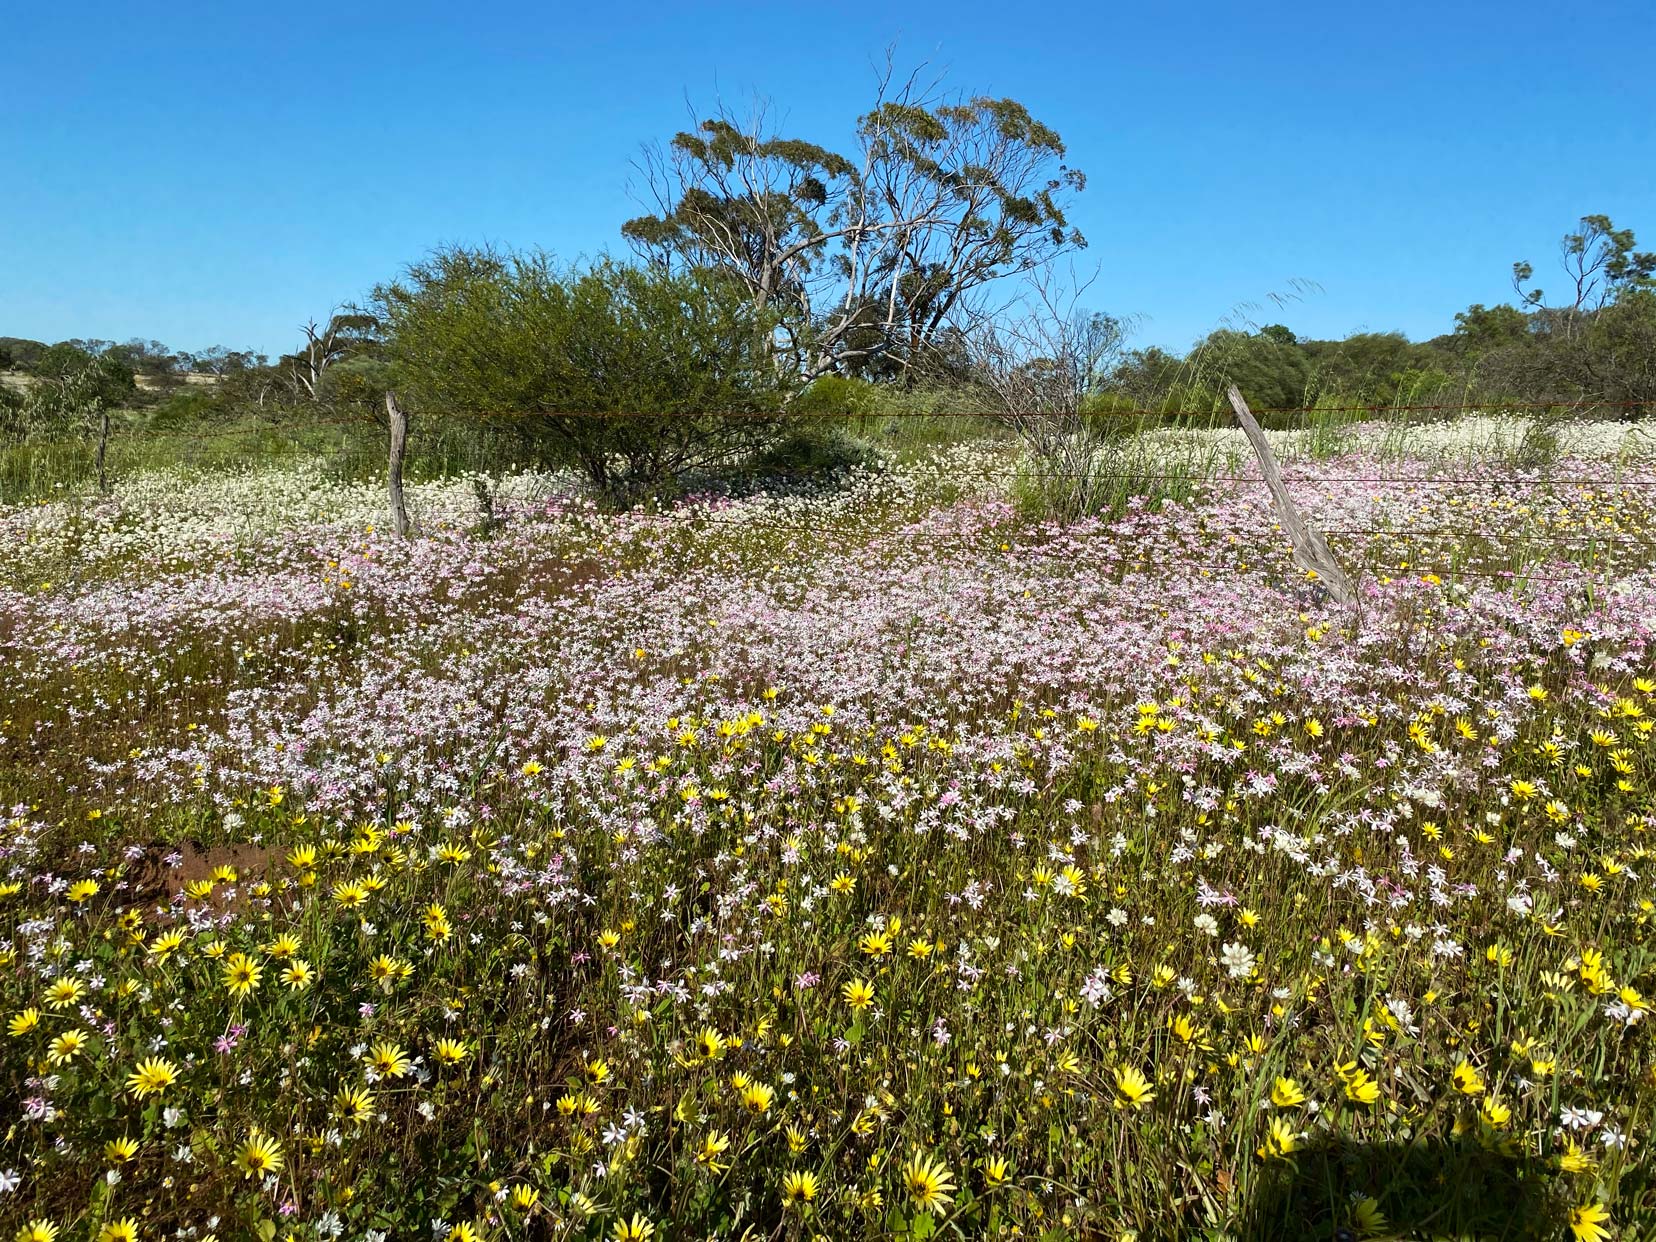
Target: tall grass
36, 468
1107, 466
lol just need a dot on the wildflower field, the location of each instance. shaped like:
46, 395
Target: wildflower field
860, 862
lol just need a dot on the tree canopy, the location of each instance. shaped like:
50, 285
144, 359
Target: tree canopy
863, 259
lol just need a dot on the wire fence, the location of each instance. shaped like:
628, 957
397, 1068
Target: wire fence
360, 421
1495, 541
990, 544
1582, 406
296, 431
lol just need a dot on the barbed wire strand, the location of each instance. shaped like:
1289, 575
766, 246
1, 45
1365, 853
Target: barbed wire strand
1005, 545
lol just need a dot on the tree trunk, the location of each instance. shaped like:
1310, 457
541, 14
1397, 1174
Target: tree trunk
1310, 552
399, 447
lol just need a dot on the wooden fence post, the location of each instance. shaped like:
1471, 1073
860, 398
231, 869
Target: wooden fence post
399, 447
1310, 551
103, 451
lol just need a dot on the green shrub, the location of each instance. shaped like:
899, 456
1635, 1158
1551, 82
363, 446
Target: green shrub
185, 408
635, 377
814, 449
838, 395
1105, 480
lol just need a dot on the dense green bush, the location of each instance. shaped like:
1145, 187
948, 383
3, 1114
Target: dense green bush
631, 375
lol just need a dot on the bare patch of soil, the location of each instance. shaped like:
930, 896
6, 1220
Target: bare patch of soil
151, 879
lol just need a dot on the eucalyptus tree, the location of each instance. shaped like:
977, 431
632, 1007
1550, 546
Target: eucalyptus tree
863, 258
1600, 264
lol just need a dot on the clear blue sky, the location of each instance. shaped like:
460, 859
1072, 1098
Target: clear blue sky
215, 174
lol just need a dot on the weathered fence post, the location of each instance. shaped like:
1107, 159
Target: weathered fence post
103, 450
399, 446
1310, 551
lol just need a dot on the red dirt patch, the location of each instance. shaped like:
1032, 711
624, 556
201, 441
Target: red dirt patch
153, 880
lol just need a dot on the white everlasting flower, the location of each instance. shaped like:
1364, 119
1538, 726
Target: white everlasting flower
1237, 959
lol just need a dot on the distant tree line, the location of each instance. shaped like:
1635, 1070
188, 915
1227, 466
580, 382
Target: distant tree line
137, 357
1596, 346
781, 280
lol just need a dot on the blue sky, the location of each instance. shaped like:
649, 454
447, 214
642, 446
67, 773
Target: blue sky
216, 174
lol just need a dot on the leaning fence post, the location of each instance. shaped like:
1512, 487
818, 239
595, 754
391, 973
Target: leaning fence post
399, 446
1310, 551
